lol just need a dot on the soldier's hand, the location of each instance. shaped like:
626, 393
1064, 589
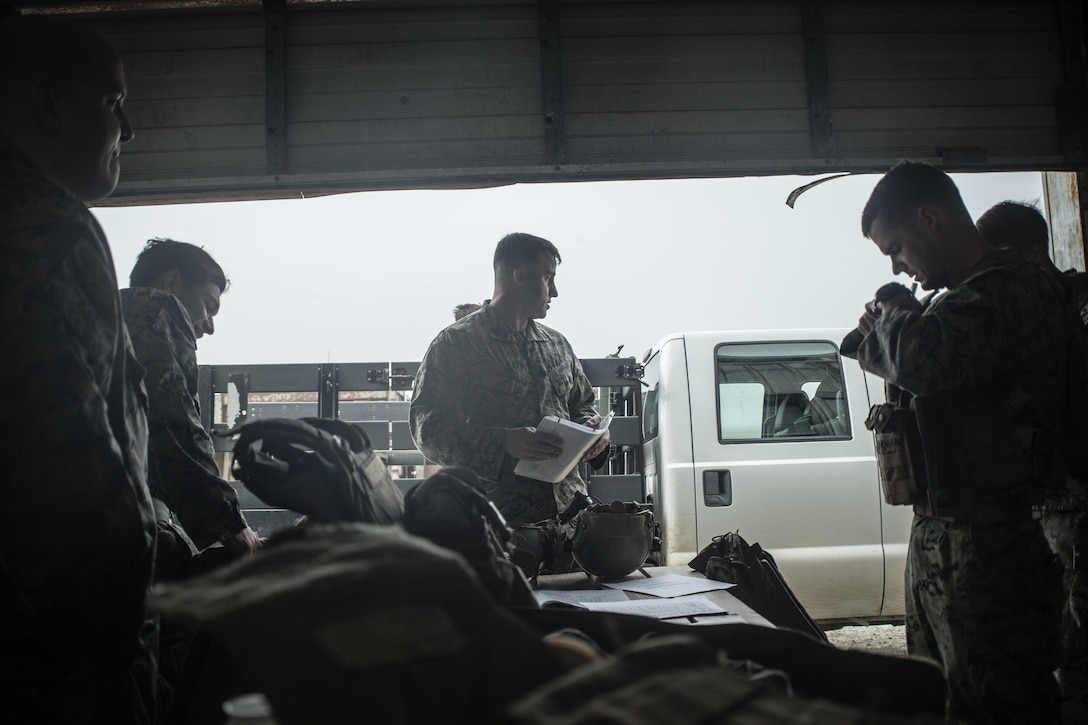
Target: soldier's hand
531, 445
867, 321
895, 296
600, 445
243, 544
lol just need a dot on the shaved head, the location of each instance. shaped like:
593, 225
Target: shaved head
63, 89
46, 49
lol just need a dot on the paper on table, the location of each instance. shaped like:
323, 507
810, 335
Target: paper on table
578, 597
659, 608
577, 439
670, 585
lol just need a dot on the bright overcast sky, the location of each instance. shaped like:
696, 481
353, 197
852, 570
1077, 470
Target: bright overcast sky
371, 277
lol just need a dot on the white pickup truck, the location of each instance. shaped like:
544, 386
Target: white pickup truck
763, 433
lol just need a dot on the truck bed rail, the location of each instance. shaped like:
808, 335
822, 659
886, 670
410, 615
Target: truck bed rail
376, 395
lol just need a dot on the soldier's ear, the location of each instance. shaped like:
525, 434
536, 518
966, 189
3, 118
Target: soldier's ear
928, 218
519, 276
170, 281
43, 99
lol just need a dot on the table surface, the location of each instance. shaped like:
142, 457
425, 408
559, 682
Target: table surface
737, 610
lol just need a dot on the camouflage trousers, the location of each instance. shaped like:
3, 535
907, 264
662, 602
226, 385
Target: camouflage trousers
983, 600
526, 501
1067, 534
521, 500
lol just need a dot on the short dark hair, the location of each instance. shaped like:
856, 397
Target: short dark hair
1014, 225
162, 255
905, 187
521, 247
465, 309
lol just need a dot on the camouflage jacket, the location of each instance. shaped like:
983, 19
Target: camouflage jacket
1077, 284
991, 346
181, 457
479, 378
1074, 497
77, 530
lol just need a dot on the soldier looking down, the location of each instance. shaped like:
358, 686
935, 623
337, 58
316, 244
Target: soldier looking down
983, 361
172, 302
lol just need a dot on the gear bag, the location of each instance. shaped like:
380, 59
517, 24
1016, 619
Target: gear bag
320, 467
729, 558
677, 677
892, 685
352, 623
450, 509
897, 442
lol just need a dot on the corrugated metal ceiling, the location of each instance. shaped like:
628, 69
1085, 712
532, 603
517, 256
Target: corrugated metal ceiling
252, 98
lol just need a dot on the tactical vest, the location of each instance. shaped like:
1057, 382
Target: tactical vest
962, 454
898, 445
959, 455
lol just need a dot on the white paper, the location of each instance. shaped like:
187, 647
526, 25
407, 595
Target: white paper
577, 439
659, 608
578, 597
670, 585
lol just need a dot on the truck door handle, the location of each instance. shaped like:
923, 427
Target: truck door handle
717, 488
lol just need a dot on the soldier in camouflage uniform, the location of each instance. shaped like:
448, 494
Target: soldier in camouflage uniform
1022, 228
77, 531
983, 362
172, 303
488, 379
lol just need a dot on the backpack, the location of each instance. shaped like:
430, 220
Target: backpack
729, 558
450, 509
323, 468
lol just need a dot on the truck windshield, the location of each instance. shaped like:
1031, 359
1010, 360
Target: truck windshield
776, 390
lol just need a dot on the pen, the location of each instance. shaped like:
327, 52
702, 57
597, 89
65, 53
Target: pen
700, 614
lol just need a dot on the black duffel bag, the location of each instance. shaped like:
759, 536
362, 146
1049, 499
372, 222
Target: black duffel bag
760, 585
451, 509
323, 468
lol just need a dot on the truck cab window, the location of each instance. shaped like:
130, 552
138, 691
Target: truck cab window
780, 390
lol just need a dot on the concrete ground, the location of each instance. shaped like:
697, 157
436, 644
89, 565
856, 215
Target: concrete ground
879, 638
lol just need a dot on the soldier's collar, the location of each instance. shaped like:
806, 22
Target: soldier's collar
500, 331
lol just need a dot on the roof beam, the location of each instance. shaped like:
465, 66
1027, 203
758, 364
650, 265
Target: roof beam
551, 70
817, 80
275, 27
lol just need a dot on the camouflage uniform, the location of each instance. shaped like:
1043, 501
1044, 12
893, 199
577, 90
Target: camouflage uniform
77, 531
1077, 283
181, 457
983, 590
1064, 517
480, 378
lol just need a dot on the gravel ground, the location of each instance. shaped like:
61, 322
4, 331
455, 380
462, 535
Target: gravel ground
888, 639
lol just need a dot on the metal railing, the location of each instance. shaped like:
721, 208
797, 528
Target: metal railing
377, 396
